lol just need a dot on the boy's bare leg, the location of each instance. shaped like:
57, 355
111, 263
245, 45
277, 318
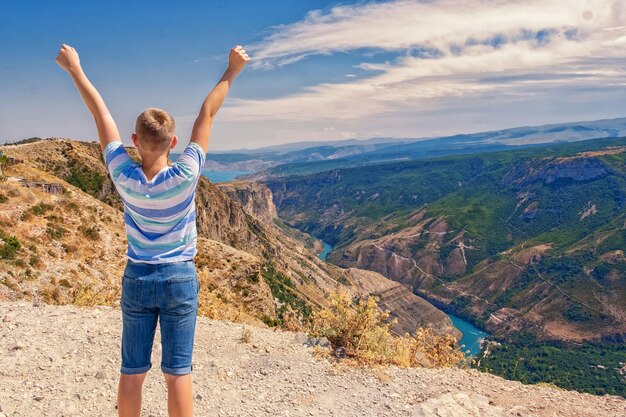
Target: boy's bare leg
179, 395
129, 395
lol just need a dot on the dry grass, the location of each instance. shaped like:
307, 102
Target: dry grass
361, 332
246, 334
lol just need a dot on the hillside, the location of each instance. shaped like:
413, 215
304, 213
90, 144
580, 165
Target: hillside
63, 360
530, 239
68, 247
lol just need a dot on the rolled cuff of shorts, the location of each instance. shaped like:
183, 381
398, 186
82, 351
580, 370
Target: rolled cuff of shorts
177, 371
133, 371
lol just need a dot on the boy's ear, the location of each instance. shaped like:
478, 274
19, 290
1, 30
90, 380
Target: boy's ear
174, 142
135, 140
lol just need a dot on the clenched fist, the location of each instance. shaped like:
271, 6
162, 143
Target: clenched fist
68, 58
237, 58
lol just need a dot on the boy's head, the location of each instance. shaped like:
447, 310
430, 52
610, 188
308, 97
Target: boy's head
154, 131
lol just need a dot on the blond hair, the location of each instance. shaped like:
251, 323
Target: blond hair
155, 128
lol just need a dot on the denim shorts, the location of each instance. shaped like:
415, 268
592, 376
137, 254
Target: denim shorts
165, 292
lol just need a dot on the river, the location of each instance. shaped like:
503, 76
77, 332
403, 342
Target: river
472, 335
324, 253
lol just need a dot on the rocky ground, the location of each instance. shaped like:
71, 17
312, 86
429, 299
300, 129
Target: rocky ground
64, 361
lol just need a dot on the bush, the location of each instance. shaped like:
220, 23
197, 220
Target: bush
40, 208
34, 261
71, 205
3, 198
90, 233
55, 231
10, 247
362, 332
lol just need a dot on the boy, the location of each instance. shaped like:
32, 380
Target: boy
160, 279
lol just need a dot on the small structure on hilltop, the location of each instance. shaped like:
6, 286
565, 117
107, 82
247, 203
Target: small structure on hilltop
48, 187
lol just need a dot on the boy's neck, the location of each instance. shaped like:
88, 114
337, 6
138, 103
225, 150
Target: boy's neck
152, 164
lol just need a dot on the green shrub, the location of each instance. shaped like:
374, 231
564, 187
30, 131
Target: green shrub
9, 248
40, 208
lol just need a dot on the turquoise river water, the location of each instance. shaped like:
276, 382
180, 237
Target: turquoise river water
472, 335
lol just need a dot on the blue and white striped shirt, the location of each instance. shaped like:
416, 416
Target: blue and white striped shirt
160, 214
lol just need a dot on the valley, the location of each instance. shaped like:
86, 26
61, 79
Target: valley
525, 244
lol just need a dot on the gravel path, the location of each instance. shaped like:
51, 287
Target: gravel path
64, 361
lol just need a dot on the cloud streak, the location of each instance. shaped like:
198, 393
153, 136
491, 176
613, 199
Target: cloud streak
446, 52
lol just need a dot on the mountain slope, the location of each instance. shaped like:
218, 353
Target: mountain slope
64, 360
70, 246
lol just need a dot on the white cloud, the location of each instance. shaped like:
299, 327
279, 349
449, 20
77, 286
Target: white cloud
448, 50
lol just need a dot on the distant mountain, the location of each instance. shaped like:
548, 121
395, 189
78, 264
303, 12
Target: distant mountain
296, 146
343, 154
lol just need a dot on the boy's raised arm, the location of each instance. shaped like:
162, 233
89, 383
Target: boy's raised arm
107, 129
202, 126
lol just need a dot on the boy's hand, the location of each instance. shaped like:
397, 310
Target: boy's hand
68, 58
237, 59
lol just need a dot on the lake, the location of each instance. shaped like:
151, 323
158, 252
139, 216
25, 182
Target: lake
223, 176
472, 335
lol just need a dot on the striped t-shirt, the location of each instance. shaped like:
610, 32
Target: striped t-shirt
160, 214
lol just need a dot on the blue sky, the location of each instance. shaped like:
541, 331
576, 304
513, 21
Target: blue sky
320, 70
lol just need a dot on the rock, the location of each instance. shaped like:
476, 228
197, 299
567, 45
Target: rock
301, 338
322, 342
65, 283
102, 374
16, 346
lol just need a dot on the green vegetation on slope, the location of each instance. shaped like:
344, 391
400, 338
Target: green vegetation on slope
283, 291
593, 368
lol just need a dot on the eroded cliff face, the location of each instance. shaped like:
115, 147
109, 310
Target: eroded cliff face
507, 293
256, 198
223, 219
411, 255
306, 268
